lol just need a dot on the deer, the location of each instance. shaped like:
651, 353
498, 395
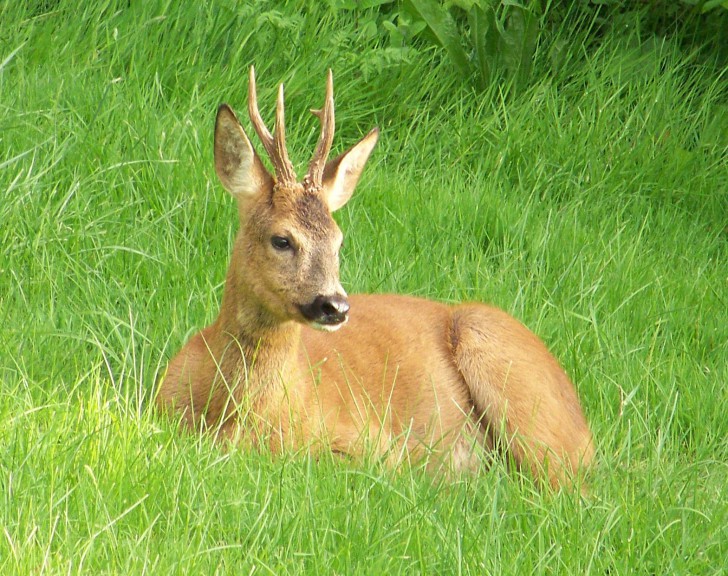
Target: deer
294, 363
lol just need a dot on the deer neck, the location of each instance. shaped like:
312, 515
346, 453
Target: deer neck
257, 360
265, 343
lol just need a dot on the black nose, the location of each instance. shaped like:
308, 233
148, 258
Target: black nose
329, 310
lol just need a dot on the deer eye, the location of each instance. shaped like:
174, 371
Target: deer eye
280, 242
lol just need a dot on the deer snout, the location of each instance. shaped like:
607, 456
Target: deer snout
326, 311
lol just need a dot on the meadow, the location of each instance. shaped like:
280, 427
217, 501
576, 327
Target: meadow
593, 206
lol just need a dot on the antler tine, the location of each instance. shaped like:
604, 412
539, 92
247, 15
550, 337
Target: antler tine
287, 174
275, 146
326, 115
258, 124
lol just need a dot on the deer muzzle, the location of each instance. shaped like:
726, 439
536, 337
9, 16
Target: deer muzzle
326, 312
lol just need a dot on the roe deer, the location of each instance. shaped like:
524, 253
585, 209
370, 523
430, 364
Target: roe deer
289, 364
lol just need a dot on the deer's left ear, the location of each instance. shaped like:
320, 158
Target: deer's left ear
341, 174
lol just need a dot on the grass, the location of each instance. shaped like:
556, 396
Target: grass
593, 207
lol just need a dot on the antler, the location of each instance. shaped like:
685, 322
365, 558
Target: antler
275, 145
326, 115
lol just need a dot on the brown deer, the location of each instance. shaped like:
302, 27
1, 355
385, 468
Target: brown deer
293, 362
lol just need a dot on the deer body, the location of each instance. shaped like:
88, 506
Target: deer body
293, 362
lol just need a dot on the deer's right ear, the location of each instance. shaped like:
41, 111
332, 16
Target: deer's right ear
236, 163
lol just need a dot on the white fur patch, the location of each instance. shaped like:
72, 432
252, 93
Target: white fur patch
327, 327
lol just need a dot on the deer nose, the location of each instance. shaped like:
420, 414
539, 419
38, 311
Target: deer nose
326, 310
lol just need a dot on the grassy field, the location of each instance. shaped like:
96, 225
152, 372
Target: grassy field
594, 207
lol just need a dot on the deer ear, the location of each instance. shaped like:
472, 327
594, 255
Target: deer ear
341, 174
236, 163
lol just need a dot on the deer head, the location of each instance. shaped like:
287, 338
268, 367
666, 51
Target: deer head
286, 257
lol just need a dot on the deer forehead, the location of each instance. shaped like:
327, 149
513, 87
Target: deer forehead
312, 213
300, 211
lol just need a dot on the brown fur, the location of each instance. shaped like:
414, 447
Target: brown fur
405, 377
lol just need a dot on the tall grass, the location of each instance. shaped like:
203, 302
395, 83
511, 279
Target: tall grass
593, 207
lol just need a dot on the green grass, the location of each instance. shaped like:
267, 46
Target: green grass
593, 207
